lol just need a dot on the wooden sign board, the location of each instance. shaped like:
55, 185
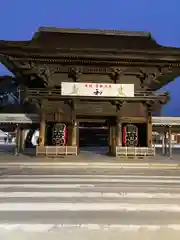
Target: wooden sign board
97, 89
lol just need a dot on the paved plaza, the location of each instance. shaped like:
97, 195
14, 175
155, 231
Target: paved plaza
88, 153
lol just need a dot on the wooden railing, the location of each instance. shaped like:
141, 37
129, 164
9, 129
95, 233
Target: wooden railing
135, 151
56, 151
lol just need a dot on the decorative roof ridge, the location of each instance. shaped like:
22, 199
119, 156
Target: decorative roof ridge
94, 31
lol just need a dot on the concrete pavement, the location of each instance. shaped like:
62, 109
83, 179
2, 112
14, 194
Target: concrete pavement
88, 158
79, 202
22, 161
95, 165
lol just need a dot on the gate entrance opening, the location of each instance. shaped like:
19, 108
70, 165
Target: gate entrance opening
93, 137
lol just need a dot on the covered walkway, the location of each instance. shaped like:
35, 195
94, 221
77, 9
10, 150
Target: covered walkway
166, 126
19, 118
20, 123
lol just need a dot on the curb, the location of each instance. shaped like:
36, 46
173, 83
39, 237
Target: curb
92, 165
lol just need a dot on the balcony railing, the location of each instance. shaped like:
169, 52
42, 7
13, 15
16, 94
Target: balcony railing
52, 93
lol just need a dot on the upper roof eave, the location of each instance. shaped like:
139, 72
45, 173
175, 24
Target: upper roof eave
92, 31
37, 43
28, 49
164, 80
30, 46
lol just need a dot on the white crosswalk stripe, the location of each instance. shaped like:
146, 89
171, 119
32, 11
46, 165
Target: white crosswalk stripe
127, 202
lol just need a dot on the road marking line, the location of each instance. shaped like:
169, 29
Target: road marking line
88, 207
21, 166
47, 185
99, 180
106, 227
84, 186
101, 163
90, 176
88, 195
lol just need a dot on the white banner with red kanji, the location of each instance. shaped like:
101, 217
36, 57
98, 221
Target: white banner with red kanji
97, 89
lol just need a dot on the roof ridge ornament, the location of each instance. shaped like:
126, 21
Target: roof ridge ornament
45, 74
75, 74
116, 73
147, 78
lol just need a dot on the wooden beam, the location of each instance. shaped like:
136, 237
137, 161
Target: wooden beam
134, 119
93, 99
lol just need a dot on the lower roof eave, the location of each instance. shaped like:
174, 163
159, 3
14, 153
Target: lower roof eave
162, 81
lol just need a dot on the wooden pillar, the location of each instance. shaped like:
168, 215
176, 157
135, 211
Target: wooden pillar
77, 135
113, 137
74, 124
17, 147
74, 133
110, 137
149, 134
118, 127
22, 140
149, 128
118, 133
170, 141
42, 129
69, 134
163, 144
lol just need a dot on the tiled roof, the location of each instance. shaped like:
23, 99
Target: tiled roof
87, 38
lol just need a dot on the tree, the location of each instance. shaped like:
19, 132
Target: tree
9, 91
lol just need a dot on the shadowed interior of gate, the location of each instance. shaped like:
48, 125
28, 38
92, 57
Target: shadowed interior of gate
93, 137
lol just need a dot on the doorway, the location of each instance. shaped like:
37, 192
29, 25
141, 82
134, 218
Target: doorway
93, 137
142, 134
